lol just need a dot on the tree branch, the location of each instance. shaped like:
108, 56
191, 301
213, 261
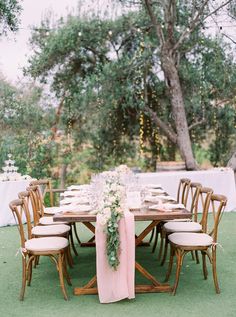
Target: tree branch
170, 17
196, 21
217, 9
196, 123
191, 27
156, 24
228, 37
168, 131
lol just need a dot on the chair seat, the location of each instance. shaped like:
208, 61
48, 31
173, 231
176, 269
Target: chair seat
190, 239
50, 230
180, 220
49, 221
46, 244
181, 226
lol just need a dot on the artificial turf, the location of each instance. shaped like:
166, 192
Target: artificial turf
195, 296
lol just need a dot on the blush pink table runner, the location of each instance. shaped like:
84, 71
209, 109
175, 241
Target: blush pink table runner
116, 285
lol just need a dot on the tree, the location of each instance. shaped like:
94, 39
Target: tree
9, 12
106, 74
171, 37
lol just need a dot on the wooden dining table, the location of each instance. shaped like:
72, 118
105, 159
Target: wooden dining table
155, 217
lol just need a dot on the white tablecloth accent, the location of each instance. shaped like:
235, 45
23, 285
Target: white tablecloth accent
9, 191
220, 180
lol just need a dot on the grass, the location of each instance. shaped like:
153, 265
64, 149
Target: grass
195, 296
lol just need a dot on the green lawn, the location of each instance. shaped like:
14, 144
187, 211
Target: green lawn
195, 296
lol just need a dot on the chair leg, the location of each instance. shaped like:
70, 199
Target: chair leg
214, 270
155, 239
179, 257
65, 270
165, 250
204, 267
24, 274
197, 257
60, 271
76, 234
29, 270
152, 235
72, 243
162, 234
192, 254
169, 270
69, 257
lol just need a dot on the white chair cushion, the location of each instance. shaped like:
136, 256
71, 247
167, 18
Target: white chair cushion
182, 226
180, 220
50, 230
190, 239
46, 244
49, 221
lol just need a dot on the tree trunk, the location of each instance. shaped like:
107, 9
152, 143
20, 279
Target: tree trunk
177, 103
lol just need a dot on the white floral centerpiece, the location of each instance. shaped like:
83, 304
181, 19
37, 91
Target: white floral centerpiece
111, 211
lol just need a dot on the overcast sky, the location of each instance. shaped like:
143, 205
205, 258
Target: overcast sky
14, 50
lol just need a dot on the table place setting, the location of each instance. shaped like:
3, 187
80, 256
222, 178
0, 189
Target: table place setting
79, 187
76, 200
167, 206
75, 193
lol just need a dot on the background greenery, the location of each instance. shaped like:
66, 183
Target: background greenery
89, 79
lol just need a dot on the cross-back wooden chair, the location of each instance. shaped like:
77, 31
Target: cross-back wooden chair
45, 186
206, 242
182, 197
39, 231
168, 227
40, 217
53, 247
200, 197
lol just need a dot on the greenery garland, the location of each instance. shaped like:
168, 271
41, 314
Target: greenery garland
112, 212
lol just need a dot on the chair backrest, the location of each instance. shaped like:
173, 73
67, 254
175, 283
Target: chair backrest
183, 191
36, 202
25, 195
45, 186
217, 207
195, 189
18, 208
202, 207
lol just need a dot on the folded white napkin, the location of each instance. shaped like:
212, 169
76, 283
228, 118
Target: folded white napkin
75, 193
79, 187
163, 197
152, 199
153, 186
156, 191
75, 200
75, 208
173, 206
167, 206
